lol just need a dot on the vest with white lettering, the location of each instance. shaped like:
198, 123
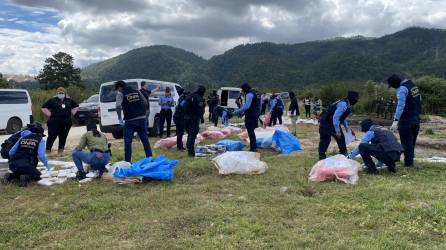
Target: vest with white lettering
132, 105
27, 151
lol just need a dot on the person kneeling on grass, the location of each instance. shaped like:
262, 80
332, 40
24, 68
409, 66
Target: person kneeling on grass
379, 143
99, 154
25, 155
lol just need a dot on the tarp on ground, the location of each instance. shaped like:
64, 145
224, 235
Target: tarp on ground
160, 168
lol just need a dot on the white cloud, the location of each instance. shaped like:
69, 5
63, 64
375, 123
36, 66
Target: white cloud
92, 30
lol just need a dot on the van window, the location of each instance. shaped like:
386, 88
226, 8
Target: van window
93, 98
108, 93
233, 94
13, 97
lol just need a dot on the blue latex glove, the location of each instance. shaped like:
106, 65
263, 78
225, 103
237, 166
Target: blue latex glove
121, 122
49, 167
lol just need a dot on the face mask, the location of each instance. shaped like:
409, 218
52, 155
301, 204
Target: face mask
60, 96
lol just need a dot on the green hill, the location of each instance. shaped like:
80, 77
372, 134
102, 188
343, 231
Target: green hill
413, 51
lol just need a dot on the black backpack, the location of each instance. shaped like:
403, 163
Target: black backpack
8, 144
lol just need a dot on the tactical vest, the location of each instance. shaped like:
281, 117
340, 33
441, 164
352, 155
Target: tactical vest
317, 104
386, 140
179, 110
327, 115
412, 109
132, 105
254, 110
27, 151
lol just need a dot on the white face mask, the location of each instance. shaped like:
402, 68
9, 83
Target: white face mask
60, 96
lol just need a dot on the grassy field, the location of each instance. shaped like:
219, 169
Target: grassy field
280, 209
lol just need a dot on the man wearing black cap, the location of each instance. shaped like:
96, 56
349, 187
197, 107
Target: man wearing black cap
193, 114
25, 154
251, 109
330, 123
379, 143
407, 115
134, 105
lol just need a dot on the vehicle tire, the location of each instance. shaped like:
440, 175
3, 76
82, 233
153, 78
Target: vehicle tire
155, 129
118, 134
14, 125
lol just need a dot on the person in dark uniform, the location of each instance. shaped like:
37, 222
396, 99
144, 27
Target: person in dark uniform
178, 118
389, 107
317, 106
307, 105
379, 143
25, 154
213, 102
133, 104
59, 110
407, 115
379, 106
222, 112
294, 111
330, 123
147, 94
193, 114
251, 110
166, 102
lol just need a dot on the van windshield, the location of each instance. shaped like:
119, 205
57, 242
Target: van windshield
108, 93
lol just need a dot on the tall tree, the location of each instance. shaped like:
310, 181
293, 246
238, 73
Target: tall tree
59, 71
3, 82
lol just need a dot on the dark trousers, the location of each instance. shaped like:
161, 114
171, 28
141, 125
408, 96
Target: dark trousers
179, 124
251, 124
57, 128
276, 115
389, 158
211, 113
192, 126
325, 134
23, 167
408, 135
139, 126
165, 116
307, 111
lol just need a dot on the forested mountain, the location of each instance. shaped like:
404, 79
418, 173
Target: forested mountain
413, 51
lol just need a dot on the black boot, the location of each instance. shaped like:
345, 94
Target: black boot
9, 178
24, 180
371, 171
80, 175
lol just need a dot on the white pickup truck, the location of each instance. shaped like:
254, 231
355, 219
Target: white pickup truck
107, 103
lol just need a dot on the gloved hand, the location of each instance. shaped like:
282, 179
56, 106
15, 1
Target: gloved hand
394, 126
349, 156
48, 167
121, 122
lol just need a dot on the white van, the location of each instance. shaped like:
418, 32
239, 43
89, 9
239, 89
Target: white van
15, 109
228, 96
107, 104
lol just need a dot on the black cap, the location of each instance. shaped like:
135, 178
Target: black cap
394, 81
201, 90
245, 87
37, 128
91, 126
120, 84
366, 124
180, 91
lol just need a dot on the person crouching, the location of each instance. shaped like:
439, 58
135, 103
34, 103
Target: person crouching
25, 154
379, 143
222, 112
99, 154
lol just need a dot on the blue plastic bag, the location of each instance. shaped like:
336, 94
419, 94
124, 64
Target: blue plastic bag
160, 168
265, 142
286, 142
231, 145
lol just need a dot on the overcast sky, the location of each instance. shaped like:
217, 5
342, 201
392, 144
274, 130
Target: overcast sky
93, 30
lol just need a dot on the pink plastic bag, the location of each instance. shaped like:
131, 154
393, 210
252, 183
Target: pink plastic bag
171, 142
337, 167
213, 135
267, 119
